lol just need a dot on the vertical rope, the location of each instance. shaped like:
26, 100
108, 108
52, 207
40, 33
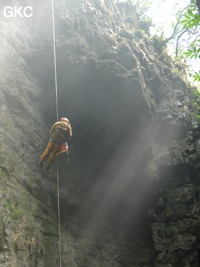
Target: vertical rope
56, 91
54, 52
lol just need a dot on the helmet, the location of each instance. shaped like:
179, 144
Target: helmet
64, 119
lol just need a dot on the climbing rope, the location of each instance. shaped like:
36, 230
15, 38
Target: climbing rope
56, 91
54, 52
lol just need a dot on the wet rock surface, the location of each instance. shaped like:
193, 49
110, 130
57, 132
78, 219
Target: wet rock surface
130, 196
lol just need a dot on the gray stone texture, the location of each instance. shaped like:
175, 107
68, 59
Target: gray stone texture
131, 195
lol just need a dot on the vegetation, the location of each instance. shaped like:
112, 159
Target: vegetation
195, 100
182, 39
191, 21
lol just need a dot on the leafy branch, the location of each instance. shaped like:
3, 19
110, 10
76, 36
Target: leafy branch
191, 21
176, 31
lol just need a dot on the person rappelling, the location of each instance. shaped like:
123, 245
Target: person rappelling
60, 133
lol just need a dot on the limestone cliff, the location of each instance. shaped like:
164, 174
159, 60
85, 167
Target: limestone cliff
130, 196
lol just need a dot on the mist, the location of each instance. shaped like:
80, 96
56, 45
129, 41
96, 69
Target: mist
127, 111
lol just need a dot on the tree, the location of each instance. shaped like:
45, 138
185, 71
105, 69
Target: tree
182, 34
181, 38
191, 23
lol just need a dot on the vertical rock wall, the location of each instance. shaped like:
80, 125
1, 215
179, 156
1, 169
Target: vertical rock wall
130, 196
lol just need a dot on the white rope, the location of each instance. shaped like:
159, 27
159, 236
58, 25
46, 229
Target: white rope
54, 52
56, 91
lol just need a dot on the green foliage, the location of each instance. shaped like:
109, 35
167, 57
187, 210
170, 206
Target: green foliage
191, 21
175, 71
196, 76
184, 33
191, 18
160, 39
195, 100
193, 52
159, 43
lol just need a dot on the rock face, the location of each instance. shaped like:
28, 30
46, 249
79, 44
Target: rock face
130, 196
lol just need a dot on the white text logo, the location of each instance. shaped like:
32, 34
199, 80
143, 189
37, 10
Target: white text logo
13, 12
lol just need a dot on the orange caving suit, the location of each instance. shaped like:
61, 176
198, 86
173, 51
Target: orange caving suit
54, 145
50, 152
